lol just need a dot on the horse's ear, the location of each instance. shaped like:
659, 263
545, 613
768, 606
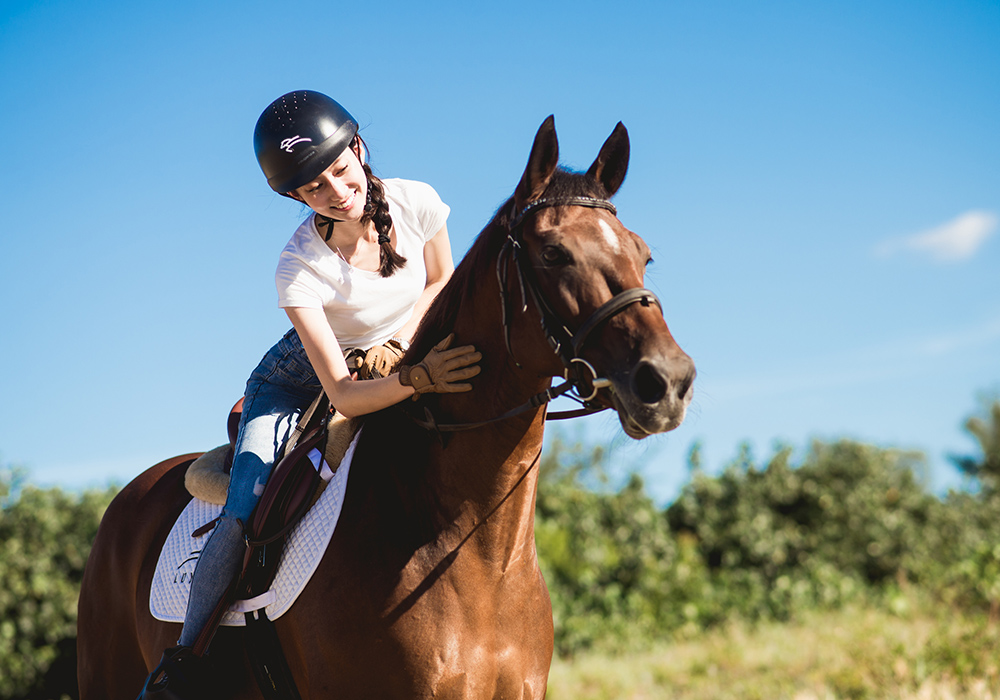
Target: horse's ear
612, 162
541, 164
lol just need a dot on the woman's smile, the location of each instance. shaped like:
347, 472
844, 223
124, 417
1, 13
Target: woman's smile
347, 204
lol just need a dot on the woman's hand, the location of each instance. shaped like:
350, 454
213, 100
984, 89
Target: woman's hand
441, 368
381, 360
349, 397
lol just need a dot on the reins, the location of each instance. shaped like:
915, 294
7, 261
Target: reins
564, 343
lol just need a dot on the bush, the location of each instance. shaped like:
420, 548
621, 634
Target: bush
607, 555
850, 522
45, 537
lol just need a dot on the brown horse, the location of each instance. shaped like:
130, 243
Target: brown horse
431, 586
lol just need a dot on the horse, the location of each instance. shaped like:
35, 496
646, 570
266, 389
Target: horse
431, 585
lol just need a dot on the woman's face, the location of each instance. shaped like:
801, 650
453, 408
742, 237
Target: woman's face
339, 192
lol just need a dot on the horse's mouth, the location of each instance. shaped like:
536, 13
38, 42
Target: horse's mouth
640, 422
631, 428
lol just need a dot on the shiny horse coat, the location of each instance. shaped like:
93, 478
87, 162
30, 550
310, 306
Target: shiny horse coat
431, 585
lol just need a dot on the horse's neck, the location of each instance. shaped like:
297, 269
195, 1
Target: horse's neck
488, 483
488, 476
485, 478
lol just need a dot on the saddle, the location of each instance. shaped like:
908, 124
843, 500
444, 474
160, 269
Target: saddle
207, 478
292, 488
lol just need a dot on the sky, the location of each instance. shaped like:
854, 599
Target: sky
819, 184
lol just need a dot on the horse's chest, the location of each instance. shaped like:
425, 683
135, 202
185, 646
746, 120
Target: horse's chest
479, 636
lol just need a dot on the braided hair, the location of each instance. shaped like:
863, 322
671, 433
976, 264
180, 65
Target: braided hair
377, 212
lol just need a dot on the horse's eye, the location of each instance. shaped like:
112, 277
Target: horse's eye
554, 255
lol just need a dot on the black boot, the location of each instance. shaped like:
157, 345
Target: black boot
180, 675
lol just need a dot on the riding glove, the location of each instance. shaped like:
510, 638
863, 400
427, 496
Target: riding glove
381, 360
438, 371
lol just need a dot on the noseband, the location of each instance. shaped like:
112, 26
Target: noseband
564, 342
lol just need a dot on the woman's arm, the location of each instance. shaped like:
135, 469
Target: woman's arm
351, 398
439, 264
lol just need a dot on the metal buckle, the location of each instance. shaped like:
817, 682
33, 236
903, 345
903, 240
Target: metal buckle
597, 383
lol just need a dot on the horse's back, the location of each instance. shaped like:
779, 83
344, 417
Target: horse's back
114, 625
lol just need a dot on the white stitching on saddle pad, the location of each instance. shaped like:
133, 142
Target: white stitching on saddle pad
302, 553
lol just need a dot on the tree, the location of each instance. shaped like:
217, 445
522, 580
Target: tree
45, 538
985, 429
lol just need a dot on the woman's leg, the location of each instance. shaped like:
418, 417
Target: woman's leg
279, 390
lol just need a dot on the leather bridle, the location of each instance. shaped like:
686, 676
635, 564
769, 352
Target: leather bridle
564, 342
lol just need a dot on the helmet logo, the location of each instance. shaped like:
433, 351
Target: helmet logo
287, 144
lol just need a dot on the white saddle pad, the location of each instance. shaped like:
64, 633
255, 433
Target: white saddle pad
303, 550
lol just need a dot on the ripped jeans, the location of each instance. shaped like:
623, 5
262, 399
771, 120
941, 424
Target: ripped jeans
278, 391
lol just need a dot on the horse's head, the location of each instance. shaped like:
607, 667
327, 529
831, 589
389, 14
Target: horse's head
585, 271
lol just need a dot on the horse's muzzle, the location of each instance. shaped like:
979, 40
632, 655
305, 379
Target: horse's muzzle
654, 397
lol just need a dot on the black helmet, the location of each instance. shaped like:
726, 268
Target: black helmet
298, 136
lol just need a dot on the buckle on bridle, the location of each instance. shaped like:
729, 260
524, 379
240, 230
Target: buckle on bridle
596, 383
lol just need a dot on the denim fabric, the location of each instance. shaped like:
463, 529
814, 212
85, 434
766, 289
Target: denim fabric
278, 391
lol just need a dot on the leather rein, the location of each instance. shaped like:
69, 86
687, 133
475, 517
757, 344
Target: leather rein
565, 343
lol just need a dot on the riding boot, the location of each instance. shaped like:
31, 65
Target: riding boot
180, 675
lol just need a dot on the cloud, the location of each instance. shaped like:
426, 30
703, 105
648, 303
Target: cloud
954, 241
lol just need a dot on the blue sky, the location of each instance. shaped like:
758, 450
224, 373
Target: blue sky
819, 182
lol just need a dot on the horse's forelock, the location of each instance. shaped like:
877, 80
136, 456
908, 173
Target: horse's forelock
569, 183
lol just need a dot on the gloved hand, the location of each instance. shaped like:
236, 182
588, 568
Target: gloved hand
381, 360
438, 371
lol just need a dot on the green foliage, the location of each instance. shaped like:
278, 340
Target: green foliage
959, 558
786, 538
984, 427
45, 537
780, 541
606, 556
850, 523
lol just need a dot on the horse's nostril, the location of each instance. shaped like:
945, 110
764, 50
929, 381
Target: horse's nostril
648, 384
684, 385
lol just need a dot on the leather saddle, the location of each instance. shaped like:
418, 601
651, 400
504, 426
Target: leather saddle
290, 492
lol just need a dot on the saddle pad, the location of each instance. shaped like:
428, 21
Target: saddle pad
303, 550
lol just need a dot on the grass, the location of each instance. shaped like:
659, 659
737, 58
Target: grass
859, 654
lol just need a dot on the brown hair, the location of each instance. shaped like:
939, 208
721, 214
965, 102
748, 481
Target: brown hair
377, 211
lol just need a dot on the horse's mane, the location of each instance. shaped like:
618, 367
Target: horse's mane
480, 260
396, 450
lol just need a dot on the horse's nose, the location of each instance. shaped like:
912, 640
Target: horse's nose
685, 377
650, 382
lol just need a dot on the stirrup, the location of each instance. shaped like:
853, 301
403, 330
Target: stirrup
178, 676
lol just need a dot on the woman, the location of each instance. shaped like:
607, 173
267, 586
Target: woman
355, 279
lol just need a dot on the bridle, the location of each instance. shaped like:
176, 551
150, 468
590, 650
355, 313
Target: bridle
565, 343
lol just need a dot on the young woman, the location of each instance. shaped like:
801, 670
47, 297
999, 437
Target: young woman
355, 279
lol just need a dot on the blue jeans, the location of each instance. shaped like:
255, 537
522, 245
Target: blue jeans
278, 391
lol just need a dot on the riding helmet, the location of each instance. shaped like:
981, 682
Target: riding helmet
298, 136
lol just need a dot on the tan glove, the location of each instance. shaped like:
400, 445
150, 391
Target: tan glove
440, 368
381, 360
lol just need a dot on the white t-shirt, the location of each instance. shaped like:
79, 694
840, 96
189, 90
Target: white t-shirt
363, 308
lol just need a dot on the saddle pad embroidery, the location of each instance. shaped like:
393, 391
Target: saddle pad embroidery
303, 550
